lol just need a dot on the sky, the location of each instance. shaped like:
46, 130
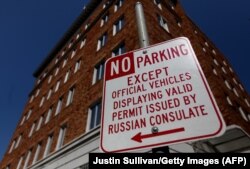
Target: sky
30, 29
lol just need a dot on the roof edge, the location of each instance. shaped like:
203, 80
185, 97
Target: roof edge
74, 26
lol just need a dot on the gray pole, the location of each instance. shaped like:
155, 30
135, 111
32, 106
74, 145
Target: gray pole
141, 24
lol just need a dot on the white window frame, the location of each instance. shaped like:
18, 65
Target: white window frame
102, 41
77, 66
236, 92
57, 85
37, 92
119, 50
98, 73
38, 149
23, 120
48, 146
163, 23
229, 101
59, 106
49, 93
28, 114
223, 70
56, 71
42, 101
247, 102
118, 4
12, 146
215, 72
48, 115
18, 141
61, 137
32, 129
73, 53
19, 163
227, 84
158, 4
70, 96
50, 78
104, 19
244, 116
31, 98
39, 123
65, 62
83, 42
118, 25
66, 78
25, 166
97, 109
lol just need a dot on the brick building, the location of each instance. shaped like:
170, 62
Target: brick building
60, 123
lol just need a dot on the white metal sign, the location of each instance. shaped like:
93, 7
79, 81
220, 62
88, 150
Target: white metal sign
157, 96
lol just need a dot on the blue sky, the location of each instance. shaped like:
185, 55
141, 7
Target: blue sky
30, 29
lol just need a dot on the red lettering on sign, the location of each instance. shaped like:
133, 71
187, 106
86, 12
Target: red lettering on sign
120, 66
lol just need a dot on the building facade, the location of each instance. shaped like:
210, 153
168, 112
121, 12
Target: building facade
59, 126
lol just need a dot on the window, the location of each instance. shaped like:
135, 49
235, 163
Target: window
59, 106
12, 146
224, 70
236, 92
231, 70
70, 44
224, 62
7, 167
77, 66
37, 92
98, 72
102, 41
39, 80
229, 101
42, 101
94, 116
73, 53
56, 71
48, 115
118, 25
63, 52
66, 76
70, 96
27, 159
172, 3
216, 62
50, 78
19, 163
163, 23
118, 4
227, 84
39, 123
32, 129
83, 42
215, 71
49, 94
204, 49
241, 87
38, 149
158, 3
65, 62
235, 81
18, 141
120, 49
246, 101
57, 85
28, 114
23, 120
31, 98
57, 58
61, 137
213, 51
243, 114
78, 35
104, 19
48, 146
